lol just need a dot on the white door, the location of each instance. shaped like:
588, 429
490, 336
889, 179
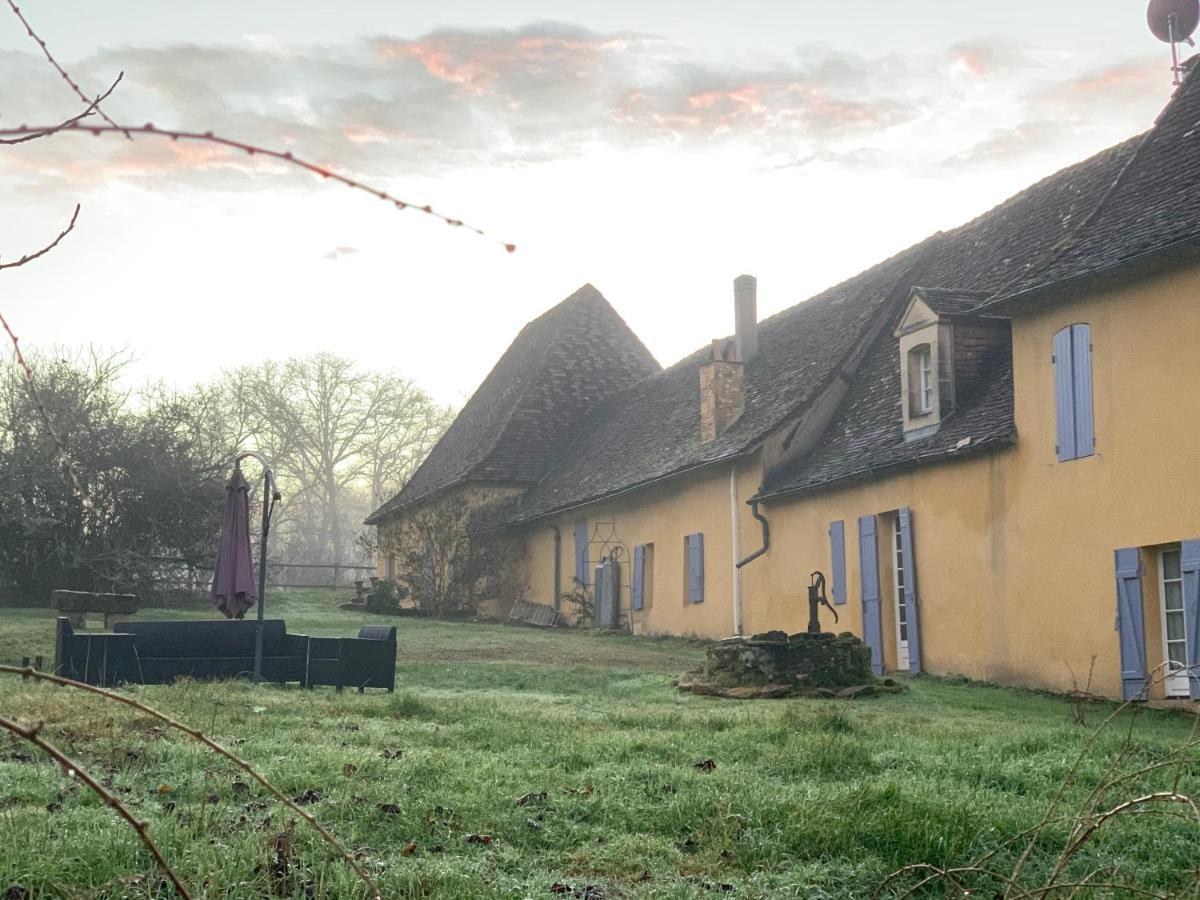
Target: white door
901, 608
1174, 623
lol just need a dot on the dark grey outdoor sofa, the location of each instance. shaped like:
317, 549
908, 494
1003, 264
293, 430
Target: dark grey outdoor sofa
160, 652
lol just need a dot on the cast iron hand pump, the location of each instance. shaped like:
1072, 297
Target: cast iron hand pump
816, 599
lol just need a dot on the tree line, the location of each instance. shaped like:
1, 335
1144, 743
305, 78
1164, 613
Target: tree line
153, 464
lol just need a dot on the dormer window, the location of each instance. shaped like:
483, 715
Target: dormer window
947, 348
920, 380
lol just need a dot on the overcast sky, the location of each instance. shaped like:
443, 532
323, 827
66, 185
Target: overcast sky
654, 149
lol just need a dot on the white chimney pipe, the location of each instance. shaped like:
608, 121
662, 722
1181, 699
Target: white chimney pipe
745, 313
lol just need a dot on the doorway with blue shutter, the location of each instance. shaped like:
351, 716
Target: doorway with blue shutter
888, 578
1158, 620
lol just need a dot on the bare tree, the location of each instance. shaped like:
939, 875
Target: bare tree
342, 441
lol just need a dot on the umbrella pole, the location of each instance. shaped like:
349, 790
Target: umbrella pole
262, 574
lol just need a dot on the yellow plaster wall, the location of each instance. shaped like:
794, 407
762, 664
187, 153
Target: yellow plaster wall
959, 510
1014, 550
660, 515
1134, 492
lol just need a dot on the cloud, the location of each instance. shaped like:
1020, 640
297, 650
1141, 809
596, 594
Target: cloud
983, 58
339, 252
458, 98
1084, 108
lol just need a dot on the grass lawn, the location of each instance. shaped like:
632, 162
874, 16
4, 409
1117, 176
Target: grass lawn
807, 798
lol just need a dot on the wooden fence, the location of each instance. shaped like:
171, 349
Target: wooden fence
192, 577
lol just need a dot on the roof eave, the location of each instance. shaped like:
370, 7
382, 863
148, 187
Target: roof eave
1174, 252
998, 442
636, 486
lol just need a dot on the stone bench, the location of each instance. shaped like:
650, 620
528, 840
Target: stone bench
75, 606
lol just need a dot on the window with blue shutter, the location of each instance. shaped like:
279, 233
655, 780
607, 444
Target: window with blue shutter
837, 555
694, 560
1131, 626
581, 553
637, 587
1073, 406
868, 556
911, 607
1189, 566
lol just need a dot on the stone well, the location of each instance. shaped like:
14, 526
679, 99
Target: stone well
774, 665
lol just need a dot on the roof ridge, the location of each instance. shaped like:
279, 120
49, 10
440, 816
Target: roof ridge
556, 335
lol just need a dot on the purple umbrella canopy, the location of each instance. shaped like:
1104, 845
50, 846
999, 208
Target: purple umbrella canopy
233, 587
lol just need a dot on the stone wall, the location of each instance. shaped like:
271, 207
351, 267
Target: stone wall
775, 665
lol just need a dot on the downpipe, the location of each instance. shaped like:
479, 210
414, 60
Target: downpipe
766, 536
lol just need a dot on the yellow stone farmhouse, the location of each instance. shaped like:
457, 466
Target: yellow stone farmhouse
989, 444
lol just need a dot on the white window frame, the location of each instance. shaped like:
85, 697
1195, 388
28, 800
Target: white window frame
925, 376
1175, 681
900, 605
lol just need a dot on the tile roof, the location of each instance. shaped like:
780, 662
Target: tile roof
652, 430
1123, 202
520, 420
949, 302
1150, 204
866, 435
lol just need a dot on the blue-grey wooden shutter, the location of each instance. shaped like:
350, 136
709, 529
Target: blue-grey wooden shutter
837, 552
1064, 396
1081, 369
1189, 564
695, 568
868, 556
599, 597
1131, 629
908, 560
637, 589
581, 552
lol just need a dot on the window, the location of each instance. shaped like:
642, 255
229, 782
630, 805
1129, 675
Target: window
1174, 627
390, 569
920, 380
1072, 361
693, 561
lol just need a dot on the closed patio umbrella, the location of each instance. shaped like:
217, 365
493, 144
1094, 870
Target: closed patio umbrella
233, 587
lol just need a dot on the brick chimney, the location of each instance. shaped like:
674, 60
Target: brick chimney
722, 378
722, 390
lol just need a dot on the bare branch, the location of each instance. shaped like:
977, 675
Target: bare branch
198, 735
68, 123
253, 150
72, 769
61, 71
30, 257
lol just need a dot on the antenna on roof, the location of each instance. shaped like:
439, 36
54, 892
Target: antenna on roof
1174, 22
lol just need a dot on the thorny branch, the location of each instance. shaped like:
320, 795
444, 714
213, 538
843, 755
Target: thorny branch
67, 123
61, 71
252, 150
72, 769
60, 446
30, 257
198, 735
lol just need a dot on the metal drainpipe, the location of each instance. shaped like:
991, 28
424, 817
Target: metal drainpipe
737, 551
766, 533
557, 566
